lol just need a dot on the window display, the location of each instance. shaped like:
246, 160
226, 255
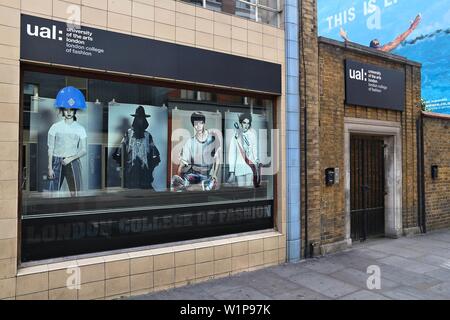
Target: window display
139, 152
67, 142
243, 158
61, 144
115, 164
200, 155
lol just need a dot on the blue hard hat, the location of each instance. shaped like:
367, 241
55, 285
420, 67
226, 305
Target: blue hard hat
70, 98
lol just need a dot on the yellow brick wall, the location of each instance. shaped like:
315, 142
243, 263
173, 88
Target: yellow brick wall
309, 97
139, 272
436, 133
332, 112
322, 95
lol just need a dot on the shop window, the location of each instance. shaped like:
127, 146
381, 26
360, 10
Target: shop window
79, 83
215, 5
112, 165
246, 9
265, 11
196, 95
273, 4
268, 16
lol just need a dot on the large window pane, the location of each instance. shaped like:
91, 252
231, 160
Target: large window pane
246, 9
249, 9
269, 3
215, 5
196, 2
138, 148
268, 17
110, 113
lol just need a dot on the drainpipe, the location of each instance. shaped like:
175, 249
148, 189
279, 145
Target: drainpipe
291, 26
421, 176
308, 246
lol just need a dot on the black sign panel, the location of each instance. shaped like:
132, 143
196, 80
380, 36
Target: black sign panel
55, 42
51, 237
373, 86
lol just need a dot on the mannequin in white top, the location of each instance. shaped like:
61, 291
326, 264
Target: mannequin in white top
243, 153
66, 145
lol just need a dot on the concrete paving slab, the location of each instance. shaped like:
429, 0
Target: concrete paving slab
369, 253
301, 294
178, 294
442, 289
445, 253
408, 264
358, 279
408, 278
324, 284
364, 295
443, 235
356, 261
430, 243
272, 285
441, 274
324, 265
287, 270
398, 251
246, 293
435, 260
216, 287
409, 293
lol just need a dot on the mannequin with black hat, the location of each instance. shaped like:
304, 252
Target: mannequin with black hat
141, 156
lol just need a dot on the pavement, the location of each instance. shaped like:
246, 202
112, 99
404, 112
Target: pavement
410, 268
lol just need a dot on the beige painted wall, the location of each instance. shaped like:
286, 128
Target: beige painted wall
144, 271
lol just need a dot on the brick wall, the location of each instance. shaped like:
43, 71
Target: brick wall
437, 152
332, 113
309, 99
323, 93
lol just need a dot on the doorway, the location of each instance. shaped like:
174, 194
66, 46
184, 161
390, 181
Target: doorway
391, 134
367, 187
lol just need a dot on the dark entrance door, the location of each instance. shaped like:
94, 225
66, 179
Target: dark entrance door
367, 187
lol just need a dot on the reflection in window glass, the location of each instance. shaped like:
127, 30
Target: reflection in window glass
161, 147
268, 17
113, 165
215, 5
269, 3
256, 10
246, 10
196, 2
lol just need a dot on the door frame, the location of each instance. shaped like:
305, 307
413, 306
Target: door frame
392, 134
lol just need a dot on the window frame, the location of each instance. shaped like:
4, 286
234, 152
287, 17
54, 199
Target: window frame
111, 76
257, 6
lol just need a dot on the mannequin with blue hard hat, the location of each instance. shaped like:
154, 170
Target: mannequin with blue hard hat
70, 98
67, 142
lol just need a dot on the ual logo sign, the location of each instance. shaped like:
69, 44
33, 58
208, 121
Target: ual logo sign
45, 32
360, 75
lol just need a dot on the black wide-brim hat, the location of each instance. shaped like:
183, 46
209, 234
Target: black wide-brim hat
140, 113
